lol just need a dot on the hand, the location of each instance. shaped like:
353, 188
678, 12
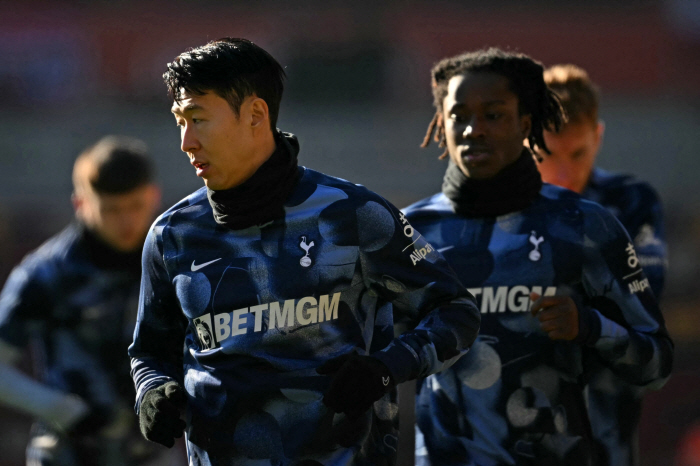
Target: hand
358, 381
159, 416
558, 316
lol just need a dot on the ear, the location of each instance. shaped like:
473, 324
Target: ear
525, 125
154, 196
600, 130
260, 113
77, 201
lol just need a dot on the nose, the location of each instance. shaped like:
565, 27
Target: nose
190, 143
564, 178
474, 128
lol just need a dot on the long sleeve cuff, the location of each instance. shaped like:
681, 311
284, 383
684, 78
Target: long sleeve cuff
589, 326
401, 360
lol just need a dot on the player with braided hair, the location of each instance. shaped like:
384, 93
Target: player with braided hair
557, 280
525, 82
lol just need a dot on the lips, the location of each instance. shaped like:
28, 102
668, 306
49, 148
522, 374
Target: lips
475, 154
201, 167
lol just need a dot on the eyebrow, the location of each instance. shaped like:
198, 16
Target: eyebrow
488, 103
186, 108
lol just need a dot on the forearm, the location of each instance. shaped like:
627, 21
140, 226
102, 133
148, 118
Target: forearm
148, 373
442, 336
25, 394
639, 357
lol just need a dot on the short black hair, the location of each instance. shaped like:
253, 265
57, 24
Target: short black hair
113, 165
526, 81
231, 68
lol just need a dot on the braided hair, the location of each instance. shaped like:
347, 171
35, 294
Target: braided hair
526, 81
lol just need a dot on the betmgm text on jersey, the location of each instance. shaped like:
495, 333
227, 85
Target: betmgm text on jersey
286, 314
493, 299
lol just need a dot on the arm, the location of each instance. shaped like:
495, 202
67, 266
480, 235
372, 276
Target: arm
647, 230
17, 390
25, 299
156, 352
626, 327
425, 293
400, 269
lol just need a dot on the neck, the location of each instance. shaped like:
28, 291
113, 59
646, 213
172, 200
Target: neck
261, 197
511, 190
106, 256
262, 152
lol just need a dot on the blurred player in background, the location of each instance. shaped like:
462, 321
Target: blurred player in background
269, 296
517, 397
75, 299
615, 407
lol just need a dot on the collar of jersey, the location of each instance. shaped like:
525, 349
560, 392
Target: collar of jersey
511, 190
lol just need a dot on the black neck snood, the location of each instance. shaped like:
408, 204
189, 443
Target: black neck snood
260, 198
105, 256
511, 190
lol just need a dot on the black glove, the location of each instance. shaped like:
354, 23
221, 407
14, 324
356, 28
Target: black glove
358, 381
159, 417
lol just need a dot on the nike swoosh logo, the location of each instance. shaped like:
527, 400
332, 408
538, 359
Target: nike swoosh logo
446, 248
194, 268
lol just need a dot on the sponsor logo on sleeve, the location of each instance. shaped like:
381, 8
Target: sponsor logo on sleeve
638, 283
419, 247
646, 237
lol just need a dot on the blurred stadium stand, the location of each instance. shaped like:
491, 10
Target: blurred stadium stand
358, 97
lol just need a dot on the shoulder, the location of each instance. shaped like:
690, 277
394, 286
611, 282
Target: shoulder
564, 207
430, 209
325, 190
313, 177
190, 208
620, 188
45, 263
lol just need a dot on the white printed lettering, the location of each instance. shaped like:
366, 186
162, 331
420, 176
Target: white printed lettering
221, 326
239, 319
312, 312
521, 294
258, 311
638, 286
277, 318
328, 311
494, 302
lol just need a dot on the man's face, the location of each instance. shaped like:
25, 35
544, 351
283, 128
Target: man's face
219, 143
483, 128
120, 220
573, 152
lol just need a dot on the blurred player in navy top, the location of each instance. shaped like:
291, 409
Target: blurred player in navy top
556, 277
614, 406
75, 297
270, 296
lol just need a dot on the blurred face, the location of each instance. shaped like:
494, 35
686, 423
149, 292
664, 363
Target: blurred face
120, 220
483, 128
573, 152
222, 146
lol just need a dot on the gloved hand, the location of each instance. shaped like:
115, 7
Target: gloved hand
159, 417
358, 381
